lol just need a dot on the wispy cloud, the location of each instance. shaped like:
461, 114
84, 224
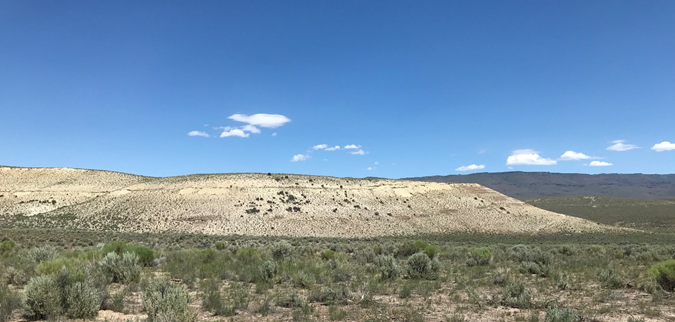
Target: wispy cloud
528, 157
571, 155
599, 164
261, 119
198, 133
352, 146
470, 167
663, 146
359, 152
299, 157
620, 145
320, 147
334, 148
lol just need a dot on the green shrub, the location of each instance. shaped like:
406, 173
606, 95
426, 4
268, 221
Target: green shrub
388, 267
336, 313
567, 250
43, 298
212, 299
610, 278
9, 301
14, 276
282, 249
515, 295
479, 256
248, 255
145, 255
336, 294
31, 258
522, 253
664, 274
290, 300
421, 266
303, 279
597, 249
327, 254
406, 250
268, 270
164, 301
82, 300
561, 314
55, 265
118, 247
124, 269
6, 246
220, 245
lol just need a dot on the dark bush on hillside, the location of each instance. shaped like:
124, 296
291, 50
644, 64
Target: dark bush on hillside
664, 274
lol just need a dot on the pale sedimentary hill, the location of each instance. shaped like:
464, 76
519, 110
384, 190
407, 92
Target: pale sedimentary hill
260, 204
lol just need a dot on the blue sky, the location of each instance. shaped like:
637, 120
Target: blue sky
403, 88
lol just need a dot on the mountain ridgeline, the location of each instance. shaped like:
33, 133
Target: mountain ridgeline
528, 185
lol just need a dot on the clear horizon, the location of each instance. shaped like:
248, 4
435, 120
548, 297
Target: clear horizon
346, 89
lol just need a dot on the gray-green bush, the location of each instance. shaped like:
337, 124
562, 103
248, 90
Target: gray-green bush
420, 266
164, 301
9, 301
43, 298
388, 267
82, 300
121, 269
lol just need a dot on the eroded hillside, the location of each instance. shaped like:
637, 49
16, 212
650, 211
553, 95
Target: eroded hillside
264, 204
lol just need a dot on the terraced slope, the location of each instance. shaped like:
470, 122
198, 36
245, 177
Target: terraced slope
260, 204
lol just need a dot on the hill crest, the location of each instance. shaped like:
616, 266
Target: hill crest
265, 204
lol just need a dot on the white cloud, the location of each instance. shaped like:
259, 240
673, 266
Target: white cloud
571, 155
198, 133
528, 157
320, 146
233, 132
376, 163
352, 146
471, 167
261, 119
369, 168
250, 128
299, 157
599, 164
359, 152
619, 145
337, 147
663, 146
274, 134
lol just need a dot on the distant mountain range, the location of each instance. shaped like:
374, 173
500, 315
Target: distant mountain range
528, 185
